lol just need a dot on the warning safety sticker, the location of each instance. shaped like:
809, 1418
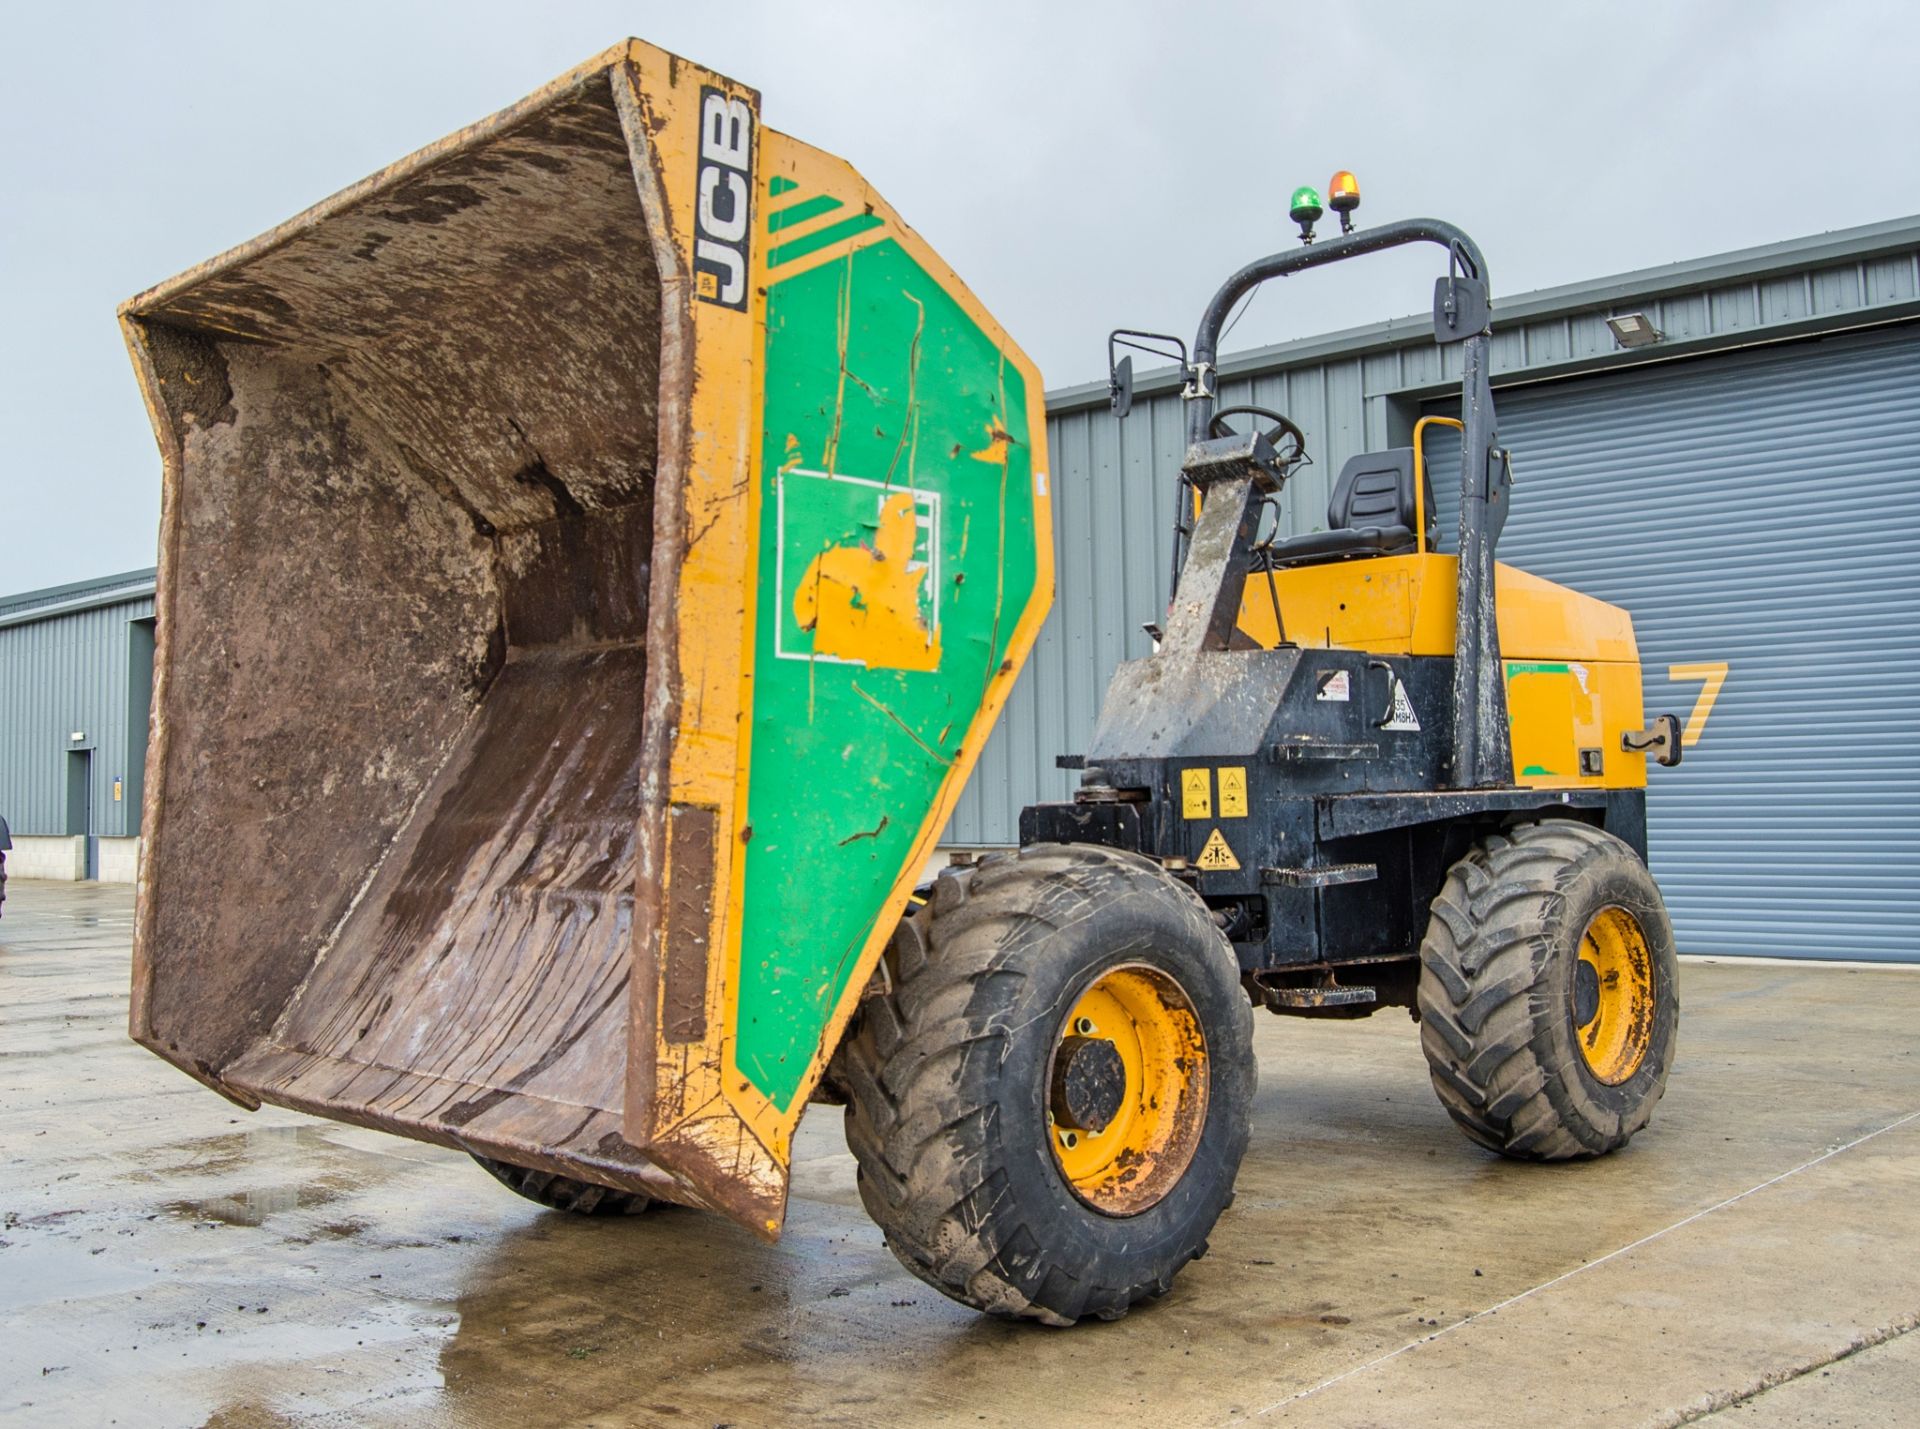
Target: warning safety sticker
1216, 855
1403, 715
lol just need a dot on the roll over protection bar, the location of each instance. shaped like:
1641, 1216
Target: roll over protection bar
1482, 753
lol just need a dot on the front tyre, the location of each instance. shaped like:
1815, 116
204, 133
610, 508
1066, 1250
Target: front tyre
1050, 1102
1548, 998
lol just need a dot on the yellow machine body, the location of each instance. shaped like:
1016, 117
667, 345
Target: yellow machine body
1572, 667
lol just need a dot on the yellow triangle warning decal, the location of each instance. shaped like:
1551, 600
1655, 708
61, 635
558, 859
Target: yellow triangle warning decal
1216, 855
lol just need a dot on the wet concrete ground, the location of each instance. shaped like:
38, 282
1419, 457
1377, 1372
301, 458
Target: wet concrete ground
166, 1259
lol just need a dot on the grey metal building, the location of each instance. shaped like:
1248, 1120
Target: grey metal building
1747, 485
76, 681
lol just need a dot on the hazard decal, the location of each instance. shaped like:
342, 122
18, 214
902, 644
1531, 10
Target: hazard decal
1233, 792
1216, 856
1403, 716
1196, 794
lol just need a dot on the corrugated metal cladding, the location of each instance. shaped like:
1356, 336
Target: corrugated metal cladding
86, 671
1758, 515
1361, 390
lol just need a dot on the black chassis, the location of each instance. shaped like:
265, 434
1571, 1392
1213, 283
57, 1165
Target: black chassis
1352, 812
1346, 829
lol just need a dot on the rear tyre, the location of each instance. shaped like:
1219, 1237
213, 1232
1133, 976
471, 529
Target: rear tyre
1548, 1000
564, 1193
1050, 1101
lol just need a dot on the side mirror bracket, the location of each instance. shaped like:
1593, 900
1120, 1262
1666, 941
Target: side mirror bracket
1120, 387
1660, 740
1460, 308
1120, 369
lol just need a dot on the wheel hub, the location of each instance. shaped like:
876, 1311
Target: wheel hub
1612, 996
1089, 1083
1126, 1090
1586, 993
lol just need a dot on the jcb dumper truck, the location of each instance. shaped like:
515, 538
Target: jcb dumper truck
594, 552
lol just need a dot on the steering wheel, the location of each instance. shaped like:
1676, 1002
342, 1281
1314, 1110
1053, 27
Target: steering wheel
1282, 432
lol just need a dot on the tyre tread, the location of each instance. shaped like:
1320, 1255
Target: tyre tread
952, 1218
1483, 960
565, 1193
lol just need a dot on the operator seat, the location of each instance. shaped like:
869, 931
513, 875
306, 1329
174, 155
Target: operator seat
1371, 513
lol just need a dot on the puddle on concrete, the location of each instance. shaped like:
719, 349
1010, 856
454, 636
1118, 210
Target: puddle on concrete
252, 1208
274, 1146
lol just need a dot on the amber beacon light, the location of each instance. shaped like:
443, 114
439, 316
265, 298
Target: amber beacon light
1343, 197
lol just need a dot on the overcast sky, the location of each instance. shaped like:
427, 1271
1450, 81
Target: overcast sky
1082, 166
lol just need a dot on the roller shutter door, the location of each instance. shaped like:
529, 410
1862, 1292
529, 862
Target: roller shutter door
1761, 512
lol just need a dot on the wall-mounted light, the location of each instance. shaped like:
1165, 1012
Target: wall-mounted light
77, 735
1634, 330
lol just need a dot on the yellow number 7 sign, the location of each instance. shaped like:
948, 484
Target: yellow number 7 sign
1712, 676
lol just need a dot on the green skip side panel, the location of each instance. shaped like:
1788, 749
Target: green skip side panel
800, 212
816, 239
848, 759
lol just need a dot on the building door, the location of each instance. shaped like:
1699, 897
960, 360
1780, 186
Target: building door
80, 807
1759, 514
139, 709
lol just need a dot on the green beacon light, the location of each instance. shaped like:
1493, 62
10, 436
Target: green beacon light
1304, 209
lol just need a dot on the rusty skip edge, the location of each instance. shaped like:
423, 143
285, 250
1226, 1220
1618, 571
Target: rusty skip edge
603, 66
745, 1181
692, 1172
704, 1146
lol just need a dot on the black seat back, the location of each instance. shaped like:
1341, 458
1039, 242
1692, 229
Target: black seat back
1375, 491
1371, 514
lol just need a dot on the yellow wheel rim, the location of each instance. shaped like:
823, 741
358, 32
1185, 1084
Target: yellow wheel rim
1124, 1146
1613, 996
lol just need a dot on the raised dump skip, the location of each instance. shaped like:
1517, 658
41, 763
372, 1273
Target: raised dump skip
594, 551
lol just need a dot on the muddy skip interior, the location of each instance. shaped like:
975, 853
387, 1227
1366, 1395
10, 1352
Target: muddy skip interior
404, 615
